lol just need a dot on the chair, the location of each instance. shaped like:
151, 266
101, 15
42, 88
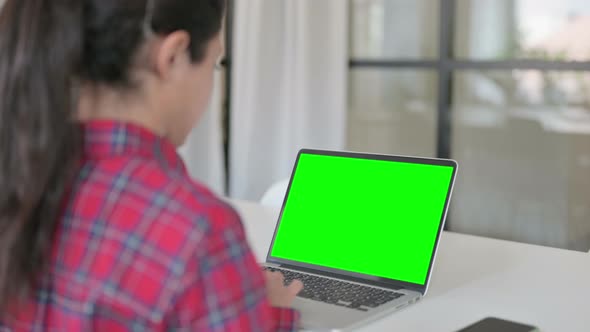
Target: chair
275, 194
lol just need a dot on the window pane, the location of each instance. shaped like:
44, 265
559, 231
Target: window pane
394, 29
523, 29
522, 139
393, 111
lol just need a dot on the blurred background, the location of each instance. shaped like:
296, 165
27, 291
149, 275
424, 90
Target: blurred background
502, 86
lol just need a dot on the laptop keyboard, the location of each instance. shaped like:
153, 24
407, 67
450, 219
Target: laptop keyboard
338, 292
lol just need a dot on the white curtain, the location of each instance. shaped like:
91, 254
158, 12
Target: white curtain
203, 150
288, 87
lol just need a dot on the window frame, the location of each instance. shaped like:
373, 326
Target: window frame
446, 65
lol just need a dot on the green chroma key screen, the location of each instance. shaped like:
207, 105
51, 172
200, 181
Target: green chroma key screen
372, 217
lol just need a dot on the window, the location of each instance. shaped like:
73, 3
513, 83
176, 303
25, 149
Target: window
503, 87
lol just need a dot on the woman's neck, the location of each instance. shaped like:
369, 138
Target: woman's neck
100, 103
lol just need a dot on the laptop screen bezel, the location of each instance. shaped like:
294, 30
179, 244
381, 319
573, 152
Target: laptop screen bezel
359, 277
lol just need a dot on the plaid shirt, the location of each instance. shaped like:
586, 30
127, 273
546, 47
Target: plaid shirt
141, 247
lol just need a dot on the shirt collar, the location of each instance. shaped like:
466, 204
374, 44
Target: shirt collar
106, 139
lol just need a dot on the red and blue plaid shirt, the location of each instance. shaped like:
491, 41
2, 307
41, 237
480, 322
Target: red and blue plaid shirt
141, 247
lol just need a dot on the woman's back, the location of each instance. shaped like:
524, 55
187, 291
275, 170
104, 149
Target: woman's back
137, 241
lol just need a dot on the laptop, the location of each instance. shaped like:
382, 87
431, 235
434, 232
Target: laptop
361, 232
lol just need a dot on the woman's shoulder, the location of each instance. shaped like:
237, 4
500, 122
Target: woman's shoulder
142, 191
191, 200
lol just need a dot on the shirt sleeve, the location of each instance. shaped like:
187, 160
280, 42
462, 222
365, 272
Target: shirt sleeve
224, 287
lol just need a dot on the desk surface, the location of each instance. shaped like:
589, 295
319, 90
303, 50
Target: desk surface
475, 277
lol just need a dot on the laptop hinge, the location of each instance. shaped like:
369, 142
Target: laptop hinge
343, 277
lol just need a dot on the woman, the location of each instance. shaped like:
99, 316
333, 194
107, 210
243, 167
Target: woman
100, 226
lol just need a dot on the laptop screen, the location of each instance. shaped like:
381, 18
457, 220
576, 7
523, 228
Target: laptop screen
373, 217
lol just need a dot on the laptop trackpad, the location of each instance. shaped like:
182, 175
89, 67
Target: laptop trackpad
323, 316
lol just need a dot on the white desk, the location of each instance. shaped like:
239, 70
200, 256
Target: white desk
476, 277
